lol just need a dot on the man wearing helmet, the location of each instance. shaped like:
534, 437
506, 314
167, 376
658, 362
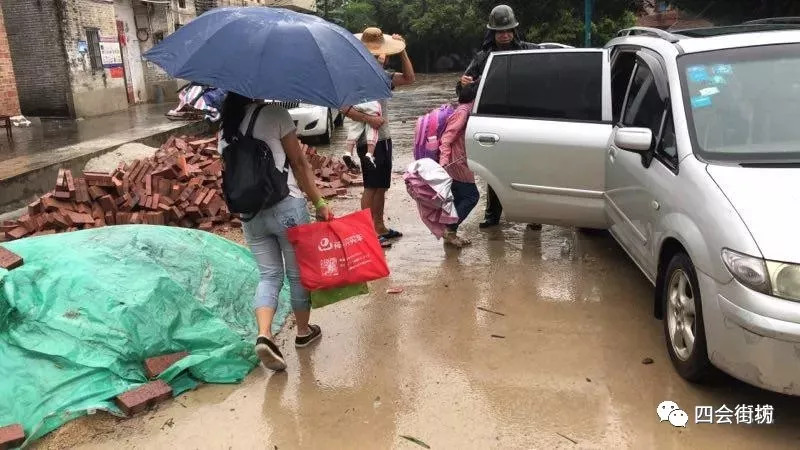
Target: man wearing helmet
501, 35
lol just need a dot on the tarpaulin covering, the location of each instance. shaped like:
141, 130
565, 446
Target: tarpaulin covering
85, 310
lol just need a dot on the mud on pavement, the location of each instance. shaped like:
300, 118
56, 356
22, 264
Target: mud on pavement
527, 339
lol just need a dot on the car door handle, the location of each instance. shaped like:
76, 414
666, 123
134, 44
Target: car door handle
487, 139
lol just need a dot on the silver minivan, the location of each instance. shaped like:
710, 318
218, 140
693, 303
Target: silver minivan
686, 147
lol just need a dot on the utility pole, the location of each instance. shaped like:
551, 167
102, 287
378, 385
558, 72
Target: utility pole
587, 23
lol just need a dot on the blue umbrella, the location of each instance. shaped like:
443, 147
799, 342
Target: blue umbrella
273, 53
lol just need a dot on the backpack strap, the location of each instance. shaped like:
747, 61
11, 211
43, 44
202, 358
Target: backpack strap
253, 118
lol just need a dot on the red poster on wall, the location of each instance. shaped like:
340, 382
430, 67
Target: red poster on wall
117, 72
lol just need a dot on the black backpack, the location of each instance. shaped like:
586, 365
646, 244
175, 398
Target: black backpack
250, 180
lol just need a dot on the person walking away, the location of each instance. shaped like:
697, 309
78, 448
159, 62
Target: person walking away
357, 130
265, 232
453, 157
501, 35
377, 180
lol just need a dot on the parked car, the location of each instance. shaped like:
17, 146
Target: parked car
314, 121
686, 146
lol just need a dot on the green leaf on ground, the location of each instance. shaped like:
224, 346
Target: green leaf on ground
415, 440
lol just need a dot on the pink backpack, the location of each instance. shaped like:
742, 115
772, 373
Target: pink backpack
428, 132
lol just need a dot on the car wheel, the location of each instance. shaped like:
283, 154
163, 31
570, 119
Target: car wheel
339, 120
326, 137
684, 328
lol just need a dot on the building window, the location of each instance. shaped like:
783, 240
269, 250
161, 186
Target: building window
182, 4
663, 6
158, 37
93, 42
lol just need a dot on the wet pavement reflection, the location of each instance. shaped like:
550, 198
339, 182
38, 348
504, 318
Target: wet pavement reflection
527, 339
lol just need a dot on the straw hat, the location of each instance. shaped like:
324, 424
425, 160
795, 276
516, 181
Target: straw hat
380, 44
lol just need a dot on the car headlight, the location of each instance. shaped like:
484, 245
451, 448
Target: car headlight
312, 125
750, 271
785, 280
768, 277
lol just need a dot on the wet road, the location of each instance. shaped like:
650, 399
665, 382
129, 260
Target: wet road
563, 370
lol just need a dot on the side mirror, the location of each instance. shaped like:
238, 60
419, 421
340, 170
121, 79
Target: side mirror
637, 140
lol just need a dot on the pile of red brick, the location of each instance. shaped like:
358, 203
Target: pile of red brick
332, 175
180, 186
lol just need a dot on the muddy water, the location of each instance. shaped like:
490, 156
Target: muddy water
560, 366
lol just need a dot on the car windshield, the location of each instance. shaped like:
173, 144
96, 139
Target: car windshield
743, 104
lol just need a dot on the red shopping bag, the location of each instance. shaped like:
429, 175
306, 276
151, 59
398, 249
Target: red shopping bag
338, 253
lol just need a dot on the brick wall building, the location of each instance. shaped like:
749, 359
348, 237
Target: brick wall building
38, 58
96, 88
9, 99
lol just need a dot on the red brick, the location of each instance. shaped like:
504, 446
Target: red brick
51, 204
203, 142
107, 203
11, 436
95, 192
156, 365
17, 233
341, 191
98, 179
109, 218
82, 190
148, 184
206, 226
70, 181
9, 260
61, 221
35, 207
43, 233
62, 195
143, 397
236, 223
80, 218
60, 181
97, 211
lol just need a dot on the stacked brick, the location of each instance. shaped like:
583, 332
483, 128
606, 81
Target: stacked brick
181, 185
332, 176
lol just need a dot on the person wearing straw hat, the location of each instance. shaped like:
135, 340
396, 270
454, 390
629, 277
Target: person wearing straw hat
378, 176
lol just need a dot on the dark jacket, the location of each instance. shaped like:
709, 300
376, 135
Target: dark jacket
475, 68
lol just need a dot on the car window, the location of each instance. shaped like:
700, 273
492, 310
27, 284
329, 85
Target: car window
644, 108
493, 100
668, 147
545, 85
621, 72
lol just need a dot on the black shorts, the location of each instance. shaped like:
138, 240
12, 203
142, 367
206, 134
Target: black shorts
379, 177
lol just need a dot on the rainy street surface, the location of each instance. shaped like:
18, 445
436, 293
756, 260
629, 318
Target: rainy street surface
555, 362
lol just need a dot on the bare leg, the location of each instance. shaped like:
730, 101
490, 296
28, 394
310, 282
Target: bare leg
367, 199
378, 206
264, 319
302, 317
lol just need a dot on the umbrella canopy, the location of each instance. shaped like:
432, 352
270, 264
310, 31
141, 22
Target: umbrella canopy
273, 53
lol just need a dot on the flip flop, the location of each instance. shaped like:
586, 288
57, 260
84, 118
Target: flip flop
384, 242
392, 234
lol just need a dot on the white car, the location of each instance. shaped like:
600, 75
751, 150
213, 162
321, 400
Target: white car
313, 121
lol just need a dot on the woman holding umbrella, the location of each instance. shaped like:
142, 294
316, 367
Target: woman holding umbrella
266, 232
244, 52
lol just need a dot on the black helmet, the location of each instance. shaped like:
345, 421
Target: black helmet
502, 18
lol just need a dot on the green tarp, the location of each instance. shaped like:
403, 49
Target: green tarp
87, 308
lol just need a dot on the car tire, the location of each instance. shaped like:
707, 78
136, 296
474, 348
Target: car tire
325, 138
339, 120
684, 328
